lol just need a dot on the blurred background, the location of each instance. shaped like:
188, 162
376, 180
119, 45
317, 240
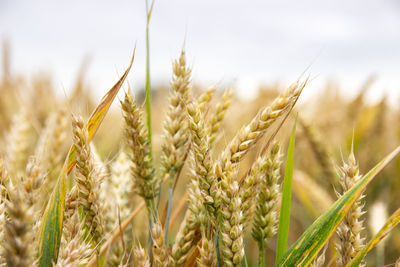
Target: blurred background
247, 43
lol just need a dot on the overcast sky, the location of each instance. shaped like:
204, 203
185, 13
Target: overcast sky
249, 42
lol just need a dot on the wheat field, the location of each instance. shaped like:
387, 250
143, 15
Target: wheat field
187, 176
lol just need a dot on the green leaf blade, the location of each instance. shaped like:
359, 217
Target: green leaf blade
312, 240
284, 218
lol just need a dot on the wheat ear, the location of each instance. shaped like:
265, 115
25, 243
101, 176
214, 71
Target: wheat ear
56, 153
231, 226
349, 231
18, 143
4, 179
17, 242
189, 231
320, 260
219, 114
207, 254
175, 125
87, 183
140, 258
319, 149
202, 165
144, 180
248, 192
266, 215
32, 182
250, 134
205, 99
116, 189
74, 251
160, 254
